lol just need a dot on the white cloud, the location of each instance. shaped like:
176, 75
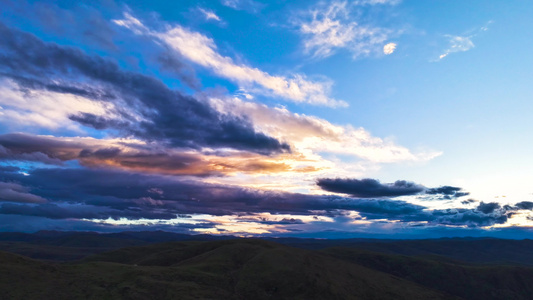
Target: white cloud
51, 110
231, 3
462, 43
312, 135
328, 28
209, 15
457, 44
246, 5
389, 48
202, 50
376, 2
316, 148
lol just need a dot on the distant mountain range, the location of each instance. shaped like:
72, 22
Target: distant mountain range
164, 265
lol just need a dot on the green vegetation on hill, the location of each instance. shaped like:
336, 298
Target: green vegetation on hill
469, 281
236, 269
260, 269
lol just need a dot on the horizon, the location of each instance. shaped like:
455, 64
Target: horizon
338, 119
274, 237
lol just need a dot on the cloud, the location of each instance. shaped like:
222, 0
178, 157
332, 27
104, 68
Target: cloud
146, 107
488, 208
311, 135
447, 192
246, 5
525, 205
457, 44
126, 191
202, 50
462, 43
14, 192
328, 28
54, 211
209, 14
29, 103
34, 156
469, 217
389, 48
372, 188
369, 188
133, 155
376, 2
100, 194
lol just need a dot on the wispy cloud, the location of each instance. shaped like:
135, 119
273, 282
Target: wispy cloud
246, 5
327, 28
202, 50
209, 14
457, 44
461, 43
377, 2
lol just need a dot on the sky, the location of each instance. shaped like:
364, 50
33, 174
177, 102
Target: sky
326, 119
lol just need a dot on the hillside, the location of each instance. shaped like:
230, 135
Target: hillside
132, 266
236, 269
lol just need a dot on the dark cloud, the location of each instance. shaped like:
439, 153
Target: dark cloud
525, 205
488, 208
54, 211
150, 158
284, 221
37, 156
468, 201
369, 188
469, 217
447, 192
167, 115
24, 223
171, 62
14, 192
102, 194
127, 191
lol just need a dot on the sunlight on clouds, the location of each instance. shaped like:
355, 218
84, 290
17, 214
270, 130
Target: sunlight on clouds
261, 223
315, 143
520, 218
389, 48
51, 110
311, 135
202, 50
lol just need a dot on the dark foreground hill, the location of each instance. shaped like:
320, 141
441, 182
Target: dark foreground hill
234, 269
258, 269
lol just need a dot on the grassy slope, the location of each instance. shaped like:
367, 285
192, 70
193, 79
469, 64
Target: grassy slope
237, 269
469, 281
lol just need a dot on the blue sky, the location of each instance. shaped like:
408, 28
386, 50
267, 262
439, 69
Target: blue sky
339, 118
